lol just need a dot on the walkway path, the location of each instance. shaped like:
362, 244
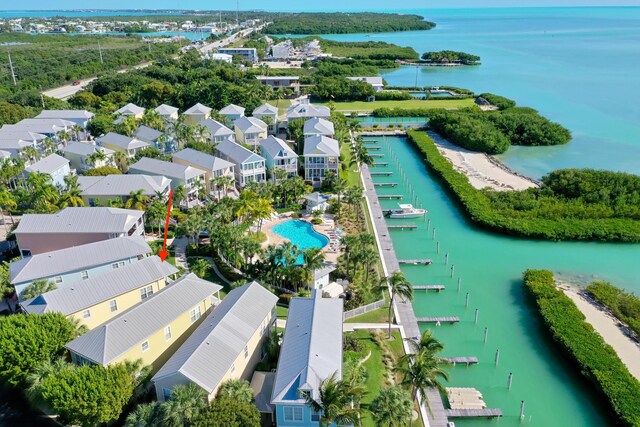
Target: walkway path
350, 327
403, 309
180, 247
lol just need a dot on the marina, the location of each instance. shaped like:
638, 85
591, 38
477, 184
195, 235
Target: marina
381, 164
461, 360
428, 288
443, 319
386, 184
416, 261
473, 413
390, 196
402, 227
381, 173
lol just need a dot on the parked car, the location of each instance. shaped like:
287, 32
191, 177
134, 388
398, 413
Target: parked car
76, 83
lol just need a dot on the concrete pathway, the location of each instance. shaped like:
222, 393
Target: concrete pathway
350, 327
180, 247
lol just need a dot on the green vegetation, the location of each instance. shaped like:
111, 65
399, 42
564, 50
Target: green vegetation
604, 208
450, 56
376, 316
499, 101
342, 23
595, 359
416, 104
624, 306
469, 131
373, 50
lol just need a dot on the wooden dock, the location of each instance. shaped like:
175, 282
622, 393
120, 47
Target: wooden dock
374, 148
390, 196
416, 261
428, 288
385, 184
473, 413
442, 319
436, 417
376, 155
471, 360
382, 173
402, 227
381, 164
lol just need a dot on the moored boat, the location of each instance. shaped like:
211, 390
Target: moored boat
406, 211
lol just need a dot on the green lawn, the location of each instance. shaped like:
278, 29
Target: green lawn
282, 104
367, 107
375, 372
282, 312
352, 176
380, 315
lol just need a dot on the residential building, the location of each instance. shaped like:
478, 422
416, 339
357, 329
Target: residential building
71, 265
281, 82
99, 190
189, 177
150, 330
226, 346
98, 299
268, 114
14, 141
38, 233
232, 112
313, 49
5, 155
122, 143
196, 114
79, 117
282, 50
213, 166
318, 126
321, 154
278, 155
130, 110
247, 54
167, 112
316, 202
376, 82
81, 156
221, 57
250, 131
321, 276
155, 138
311, 352
217, 131
47, 127
307, 111
248, 165
57, 167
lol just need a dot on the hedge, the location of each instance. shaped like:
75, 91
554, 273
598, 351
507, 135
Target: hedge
478, 206
597, 360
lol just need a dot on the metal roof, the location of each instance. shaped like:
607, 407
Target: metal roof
250, 125
311, 348
318, 126
308, 111
7, 133
160, 167
87, 293
122, 141
321, 145
237, 152
14, 144
198, 109
323, 271
84, 149
232, 109
77, 258
44, 126
277, 148
80, 220
4, 154
316, 198
130, 110
65, 114
203, 161
207, 355
145, 133
116, 336
48, 165
265, 109
122, 185
165, 110
216, 128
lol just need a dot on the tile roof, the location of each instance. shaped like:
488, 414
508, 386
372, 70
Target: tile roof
87, 293
318, 126
277, 148
250, 125
168, 169
321, 145
116, 336
232, 109
76, 258
203, 161
122, 141
236, 152
207, 355
48, 165
80, 220
122, 185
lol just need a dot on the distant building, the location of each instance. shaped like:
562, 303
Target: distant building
47, 127
232, 112
282, 50
167, 112
57, 167
376, 82
197, 114
217, 131
248, 54
284, 82
13, 141
308, 111
316, 202
317, 126
130, 110
155, 138
212, 166
268, 114
221, 57
312, 49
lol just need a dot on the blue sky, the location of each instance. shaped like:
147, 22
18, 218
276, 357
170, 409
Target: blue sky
326, 5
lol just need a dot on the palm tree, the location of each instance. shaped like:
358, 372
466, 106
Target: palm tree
72, 195
179, 194
30, 154
199, 267
312, 261
393, 407
239, 390
334, 402
137, 200
427, 344
97, 156
368, 257
49, 145
422, 371
360, 155
76, 130
261, 210
272, 345
145, 415
40, 373
64, 136
38, 287
8, 203
185, 404
121, 161
398, 285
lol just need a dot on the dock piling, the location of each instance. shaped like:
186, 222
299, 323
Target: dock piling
510, 380
522, 409
497, 356
459, 280
466, 305
433, 237
438, 247
486, 333
476, 319
446, 258
453, 270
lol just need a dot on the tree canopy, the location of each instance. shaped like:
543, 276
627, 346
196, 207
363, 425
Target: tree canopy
342, 23
226, 412
451, 56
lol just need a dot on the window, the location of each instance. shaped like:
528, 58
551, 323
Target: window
26, 253
315, 416
84, 275
86, 314
114, 265
195, 314
146, 292
293, 413
57, 279
166, 394
113, 305
246, 352
167, 333
121, 264
145, 346
233, 368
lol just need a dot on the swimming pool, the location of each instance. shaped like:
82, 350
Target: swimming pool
301, 234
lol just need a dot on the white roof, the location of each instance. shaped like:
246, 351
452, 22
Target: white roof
311, 348
321, 145
147, 134
250, 125
7, 133
232, 109
198, 109
237, 153
165, 110
277, 148
304, 111
209, 352
84, 149
122, 185
373, 81
277, 78
44, 126
318, 126
162, 168
216, 128
80, 220
203, 161
76, 258
48, 165
119, 334
87, 293
4, 154
65, 114
122, 141
265, 109
130, 110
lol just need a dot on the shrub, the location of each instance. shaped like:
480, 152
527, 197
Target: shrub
499, 101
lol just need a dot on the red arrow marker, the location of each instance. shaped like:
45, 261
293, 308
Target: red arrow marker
163, 254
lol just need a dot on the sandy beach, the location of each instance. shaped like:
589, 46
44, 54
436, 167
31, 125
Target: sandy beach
482, 170
607, 326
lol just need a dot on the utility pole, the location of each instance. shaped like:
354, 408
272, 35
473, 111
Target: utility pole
13, 74
100, 50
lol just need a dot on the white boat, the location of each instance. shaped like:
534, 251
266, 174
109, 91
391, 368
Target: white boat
406, 211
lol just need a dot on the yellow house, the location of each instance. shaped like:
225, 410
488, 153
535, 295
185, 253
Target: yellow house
100, 298
152, 329
227, 345
250, 131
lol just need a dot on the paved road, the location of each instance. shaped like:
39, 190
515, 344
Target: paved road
67, 91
